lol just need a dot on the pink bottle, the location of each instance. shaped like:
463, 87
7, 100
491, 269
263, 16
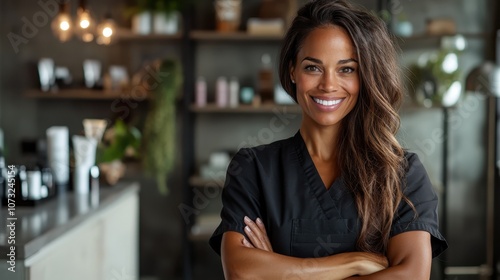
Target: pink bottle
221, 92
201, 92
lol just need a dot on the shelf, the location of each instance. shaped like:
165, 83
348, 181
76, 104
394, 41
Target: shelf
424, 36
199, 182
129, 36
241, 36
264, 108
425, 40
87, 94
209, 35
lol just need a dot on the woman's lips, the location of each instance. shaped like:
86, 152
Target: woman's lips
328, 104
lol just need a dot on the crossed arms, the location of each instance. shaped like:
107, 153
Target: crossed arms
409, 256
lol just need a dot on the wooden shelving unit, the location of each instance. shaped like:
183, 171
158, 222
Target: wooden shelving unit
264, 108
83, 94
424, 36
128, 36
423, 40
202, 35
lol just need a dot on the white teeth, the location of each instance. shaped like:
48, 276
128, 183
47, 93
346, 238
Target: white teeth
327, 102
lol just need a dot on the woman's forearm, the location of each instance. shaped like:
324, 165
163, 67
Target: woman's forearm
259, 264
410, 255
240, 262
394, 273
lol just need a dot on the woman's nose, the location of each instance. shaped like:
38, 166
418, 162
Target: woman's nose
329, 82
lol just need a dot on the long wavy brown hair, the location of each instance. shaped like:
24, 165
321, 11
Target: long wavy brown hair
371, 160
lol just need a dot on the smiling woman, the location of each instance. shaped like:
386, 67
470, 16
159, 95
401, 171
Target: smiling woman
340, 199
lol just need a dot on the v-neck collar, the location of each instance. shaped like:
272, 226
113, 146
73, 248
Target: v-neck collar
327, 198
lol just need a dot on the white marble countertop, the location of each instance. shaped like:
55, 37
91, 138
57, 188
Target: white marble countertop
38, 225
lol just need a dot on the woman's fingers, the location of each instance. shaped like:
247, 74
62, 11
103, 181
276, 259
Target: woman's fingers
261, 226
253, 233
257, 235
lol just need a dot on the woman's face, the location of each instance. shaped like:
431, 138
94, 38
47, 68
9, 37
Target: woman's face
326, 76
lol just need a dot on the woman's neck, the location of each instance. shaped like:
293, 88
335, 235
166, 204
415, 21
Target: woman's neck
321, 141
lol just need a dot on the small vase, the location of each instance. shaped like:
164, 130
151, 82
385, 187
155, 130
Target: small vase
112, 171
141, 23
166, 23
228, 14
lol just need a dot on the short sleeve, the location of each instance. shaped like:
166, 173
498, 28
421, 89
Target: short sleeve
419, 191
240, 196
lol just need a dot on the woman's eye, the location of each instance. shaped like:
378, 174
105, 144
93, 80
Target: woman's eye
347, 70
311, 68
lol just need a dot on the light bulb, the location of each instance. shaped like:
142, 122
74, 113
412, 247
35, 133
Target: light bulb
84, 23
107, 32
64, 25
61, 24
85, 26
83, 18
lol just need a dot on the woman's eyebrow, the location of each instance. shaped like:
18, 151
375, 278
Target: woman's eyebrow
342, 61
315, 60
345, 61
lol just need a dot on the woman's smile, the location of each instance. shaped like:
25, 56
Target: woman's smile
327, 103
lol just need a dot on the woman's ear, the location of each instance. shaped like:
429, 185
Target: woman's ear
292, 74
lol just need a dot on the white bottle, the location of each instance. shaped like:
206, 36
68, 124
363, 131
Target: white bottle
58, 153
201, 92
234, 92
34, 179
221, 92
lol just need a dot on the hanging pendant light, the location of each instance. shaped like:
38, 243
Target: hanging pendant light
84, 25
106, 31
61, 24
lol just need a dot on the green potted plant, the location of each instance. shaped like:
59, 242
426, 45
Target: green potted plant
159, 134
167, 16
436, 79
141, 15
120, 141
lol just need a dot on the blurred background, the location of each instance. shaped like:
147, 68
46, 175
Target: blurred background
118, 119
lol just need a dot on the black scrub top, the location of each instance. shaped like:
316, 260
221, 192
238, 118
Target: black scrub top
279, 183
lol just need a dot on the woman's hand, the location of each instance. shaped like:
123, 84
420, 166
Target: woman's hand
256, 232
